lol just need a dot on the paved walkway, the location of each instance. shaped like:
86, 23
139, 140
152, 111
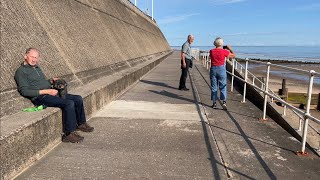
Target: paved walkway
155, 131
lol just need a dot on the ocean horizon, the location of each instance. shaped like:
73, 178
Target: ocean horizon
290, 53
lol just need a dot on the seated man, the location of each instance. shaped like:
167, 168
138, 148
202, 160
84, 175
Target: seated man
33, 85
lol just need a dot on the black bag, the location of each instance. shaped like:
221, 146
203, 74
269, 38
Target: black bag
61, 86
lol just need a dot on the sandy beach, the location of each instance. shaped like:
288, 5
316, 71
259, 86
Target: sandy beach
295, 81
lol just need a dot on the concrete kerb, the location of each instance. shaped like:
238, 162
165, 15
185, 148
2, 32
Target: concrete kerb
41, 131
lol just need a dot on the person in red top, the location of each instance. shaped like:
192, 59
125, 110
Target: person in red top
218, 74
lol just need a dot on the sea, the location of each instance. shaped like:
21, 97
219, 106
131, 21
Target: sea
286, 53
290, 53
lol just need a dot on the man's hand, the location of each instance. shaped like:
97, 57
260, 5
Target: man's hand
51, 92
52, 80
184, 65
55, 78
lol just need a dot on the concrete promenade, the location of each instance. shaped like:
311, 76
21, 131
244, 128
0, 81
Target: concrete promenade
155, 131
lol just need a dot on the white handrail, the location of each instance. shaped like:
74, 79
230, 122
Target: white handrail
268, 93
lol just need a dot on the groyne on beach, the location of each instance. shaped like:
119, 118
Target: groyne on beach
279, 61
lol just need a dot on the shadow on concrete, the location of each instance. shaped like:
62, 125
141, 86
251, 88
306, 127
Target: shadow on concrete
212, 158
252, 147
254, 139
205, 80
158, 84
244, 115
247, 140
172, 95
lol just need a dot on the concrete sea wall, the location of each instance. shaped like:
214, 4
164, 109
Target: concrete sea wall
100, 47
77, 39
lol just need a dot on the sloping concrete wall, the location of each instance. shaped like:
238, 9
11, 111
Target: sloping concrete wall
100, 47
77, 39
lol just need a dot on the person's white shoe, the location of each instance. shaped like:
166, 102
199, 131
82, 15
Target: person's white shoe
224, 105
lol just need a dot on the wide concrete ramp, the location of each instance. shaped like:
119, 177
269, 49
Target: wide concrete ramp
155, 131
100, 47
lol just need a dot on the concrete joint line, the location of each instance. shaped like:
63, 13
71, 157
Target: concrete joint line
219, 144
57, 45
98, 10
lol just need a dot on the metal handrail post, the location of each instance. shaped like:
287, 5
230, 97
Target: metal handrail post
207, 56
300, 124
305, 127
284, 110
266, 90
232, 78
253, 79
204, 57
209, 63
245, 79
262, 83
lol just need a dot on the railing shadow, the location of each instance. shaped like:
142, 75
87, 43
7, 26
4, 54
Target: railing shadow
213, 160
247, 139
252, 147
158, 84
172, 95
251, 138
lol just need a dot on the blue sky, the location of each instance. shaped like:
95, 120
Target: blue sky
238, 22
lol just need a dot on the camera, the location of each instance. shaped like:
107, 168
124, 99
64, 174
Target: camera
225, 47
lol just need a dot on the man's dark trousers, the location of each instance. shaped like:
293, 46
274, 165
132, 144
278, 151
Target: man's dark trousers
72, 109
184, 74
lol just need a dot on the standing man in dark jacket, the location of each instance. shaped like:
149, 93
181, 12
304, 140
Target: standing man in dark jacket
186, 59
33, 85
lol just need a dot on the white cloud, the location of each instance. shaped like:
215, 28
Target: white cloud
173, 19
222, 2
248, 34
309, 7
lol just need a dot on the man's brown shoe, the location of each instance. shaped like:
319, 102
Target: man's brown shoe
73, 137
85, 128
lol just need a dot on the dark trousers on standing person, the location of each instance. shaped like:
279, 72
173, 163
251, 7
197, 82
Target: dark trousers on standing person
72, 109
184, 74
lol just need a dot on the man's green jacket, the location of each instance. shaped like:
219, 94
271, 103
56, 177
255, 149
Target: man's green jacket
30, 80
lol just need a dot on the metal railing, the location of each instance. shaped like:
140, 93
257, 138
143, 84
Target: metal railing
130, 5
269, 95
